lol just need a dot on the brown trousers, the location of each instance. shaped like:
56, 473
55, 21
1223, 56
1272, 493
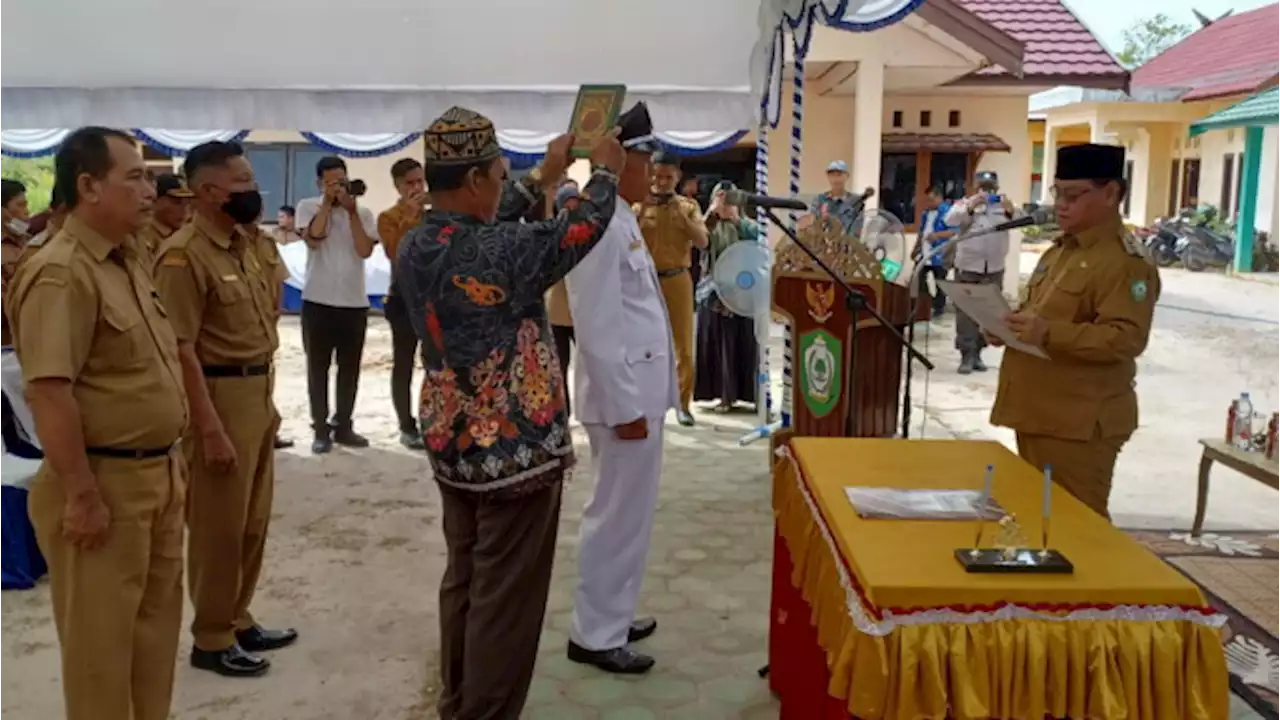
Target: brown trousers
227, 514
493, 599
1082, 468
677, 291
118, 609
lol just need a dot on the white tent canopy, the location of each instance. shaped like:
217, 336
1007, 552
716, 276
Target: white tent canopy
384, 65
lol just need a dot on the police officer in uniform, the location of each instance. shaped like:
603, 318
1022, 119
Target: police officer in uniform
221, 305
1088, 306
105, 387
169, 212
672, 226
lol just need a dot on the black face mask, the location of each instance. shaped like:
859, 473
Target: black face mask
244, 206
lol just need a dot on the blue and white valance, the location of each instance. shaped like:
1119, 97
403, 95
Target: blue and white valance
361, 145
524, 148
31, 143
176, 143
798, 19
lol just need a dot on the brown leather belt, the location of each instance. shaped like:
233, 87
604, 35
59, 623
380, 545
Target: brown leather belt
672, 272
228, 371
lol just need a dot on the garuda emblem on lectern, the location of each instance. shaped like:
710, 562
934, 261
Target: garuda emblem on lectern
820, 371
821, 297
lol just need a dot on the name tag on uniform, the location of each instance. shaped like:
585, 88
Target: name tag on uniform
635, 245
230, 278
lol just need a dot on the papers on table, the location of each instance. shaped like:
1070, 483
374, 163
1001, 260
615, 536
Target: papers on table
987, 306
900, 504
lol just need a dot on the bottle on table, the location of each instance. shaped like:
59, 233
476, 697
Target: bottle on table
1230, 435
1243, 430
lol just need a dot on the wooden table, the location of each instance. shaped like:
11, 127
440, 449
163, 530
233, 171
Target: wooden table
1253, 464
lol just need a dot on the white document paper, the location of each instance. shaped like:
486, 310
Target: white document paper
987, 306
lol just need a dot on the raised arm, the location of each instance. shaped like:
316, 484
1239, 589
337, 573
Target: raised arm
364, 230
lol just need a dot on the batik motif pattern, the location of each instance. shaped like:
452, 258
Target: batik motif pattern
492, 402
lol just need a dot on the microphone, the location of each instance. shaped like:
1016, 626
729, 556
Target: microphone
740, 197
1038, 216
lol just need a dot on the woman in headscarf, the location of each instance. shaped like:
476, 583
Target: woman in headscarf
726, 349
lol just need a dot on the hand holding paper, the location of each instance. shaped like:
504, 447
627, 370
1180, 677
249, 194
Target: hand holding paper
988, 308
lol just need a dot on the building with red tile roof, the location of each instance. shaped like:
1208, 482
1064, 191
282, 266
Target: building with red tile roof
1060, 49
1239, 54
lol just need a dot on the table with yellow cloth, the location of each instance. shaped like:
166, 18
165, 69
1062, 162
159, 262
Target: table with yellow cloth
875, 619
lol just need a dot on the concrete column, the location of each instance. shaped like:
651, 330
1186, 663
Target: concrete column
868, 120
1049, 167
1248, 199
1097, 131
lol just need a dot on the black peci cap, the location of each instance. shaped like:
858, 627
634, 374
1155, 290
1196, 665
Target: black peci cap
636, 130
1090, 162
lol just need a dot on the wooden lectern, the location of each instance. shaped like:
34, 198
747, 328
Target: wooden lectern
844, 384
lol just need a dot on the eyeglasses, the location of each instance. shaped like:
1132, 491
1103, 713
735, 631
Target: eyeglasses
1069, 195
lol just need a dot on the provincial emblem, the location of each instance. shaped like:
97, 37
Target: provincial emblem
820, 371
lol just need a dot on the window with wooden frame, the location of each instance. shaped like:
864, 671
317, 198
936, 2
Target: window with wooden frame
905, 178
897, 118
926, 118
1128, 184
953, 119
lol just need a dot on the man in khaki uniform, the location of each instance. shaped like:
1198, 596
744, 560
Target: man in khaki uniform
169, 212
105, 387
1089, 306
221, 305
672, 225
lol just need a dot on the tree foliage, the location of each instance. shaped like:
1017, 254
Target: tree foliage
1149, 37
35, 173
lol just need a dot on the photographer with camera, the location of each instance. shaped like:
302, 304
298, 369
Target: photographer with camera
340, 236
979, 260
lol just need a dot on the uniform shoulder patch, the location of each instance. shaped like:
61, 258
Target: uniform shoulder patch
1138, 290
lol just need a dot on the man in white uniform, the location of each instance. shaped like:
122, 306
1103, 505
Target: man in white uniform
625, 385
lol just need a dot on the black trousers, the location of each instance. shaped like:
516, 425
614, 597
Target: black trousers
329, 332
564, 339
404, 347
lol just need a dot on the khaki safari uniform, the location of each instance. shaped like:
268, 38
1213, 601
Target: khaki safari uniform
1097, 290
84, 310
12, 250
149, 239
264, 245
671, 246
220, 300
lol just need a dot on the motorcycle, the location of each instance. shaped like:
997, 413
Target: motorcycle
1162, 241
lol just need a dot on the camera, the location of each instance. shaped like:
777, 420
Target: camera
355, 188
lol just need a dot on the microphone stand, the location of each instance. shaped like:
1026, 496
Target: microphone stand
914, 289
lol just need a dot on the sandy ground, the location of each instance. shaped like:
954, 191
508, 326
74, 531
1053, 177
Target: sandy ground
355, 552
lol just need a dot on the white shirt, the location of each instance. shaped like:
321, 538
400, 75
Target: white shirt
335, 273
626, 363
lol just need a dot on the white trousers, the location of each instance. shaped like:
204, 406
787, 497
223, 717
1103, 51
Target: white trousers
613, 541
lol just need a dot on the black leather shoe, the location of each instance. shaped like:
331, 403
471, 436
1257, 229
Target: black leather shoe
282, 443
413, 441
231, 662
978, 365
258, 639
966, 364
641, 628
622, 660
684, 418
322, 444
349, 438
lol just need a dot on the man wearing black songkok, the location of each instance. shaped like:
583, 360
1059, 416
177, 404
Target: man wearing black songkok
1088, 306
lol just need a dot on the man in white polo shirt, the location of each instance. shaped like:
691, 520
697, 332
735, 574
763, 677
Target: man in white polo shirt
335, 306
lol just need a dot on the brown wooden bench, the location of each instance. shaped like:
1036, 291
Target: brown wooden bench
1252, 464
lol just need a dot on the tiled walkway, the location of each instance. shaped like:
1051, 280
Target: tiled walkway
707, 584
